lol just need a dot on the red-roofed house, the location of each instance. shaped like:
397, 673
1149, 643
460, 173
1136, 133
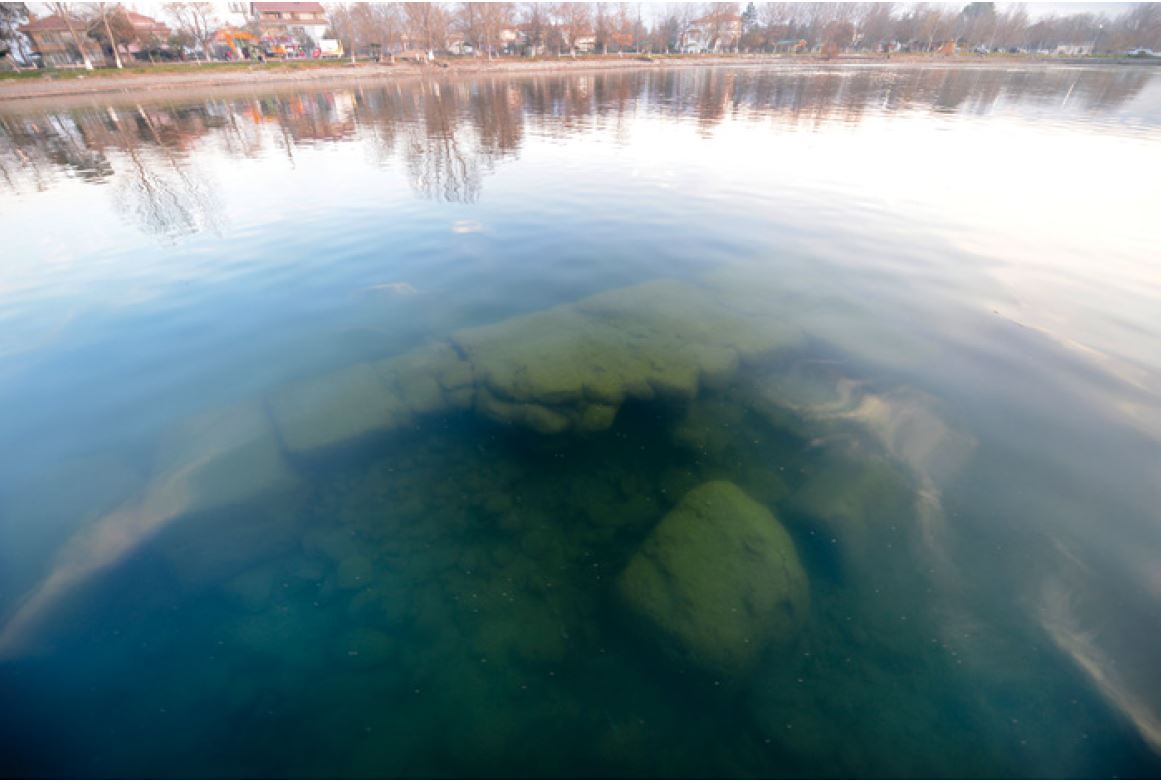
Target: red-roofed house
290, 19
146, 27
713, 33
51, 38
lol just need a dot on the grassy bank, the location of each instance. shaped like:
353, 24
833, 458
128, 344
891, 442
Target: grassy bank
184, 76
160, 69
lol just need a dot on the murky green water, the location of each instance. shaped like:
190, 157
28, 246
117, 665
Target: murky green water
729, 422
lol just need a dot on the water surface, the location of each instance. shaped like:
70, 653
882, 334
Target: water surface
313, 467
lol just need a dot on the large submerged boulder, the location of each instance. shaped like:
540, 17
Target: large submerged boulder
717, 581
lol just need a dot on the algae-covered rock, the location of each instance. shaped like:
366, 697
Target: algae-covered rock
329, 410
572, 366
711, 427
429, 379
717, 581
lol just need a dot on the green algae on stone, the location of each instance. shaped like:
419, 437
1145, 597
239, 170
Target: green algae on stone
573, 365
328, 410
569, 367
717, 581
429, 379
711, 427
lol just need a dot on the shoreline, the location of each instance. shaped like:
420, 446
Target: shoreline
277, 74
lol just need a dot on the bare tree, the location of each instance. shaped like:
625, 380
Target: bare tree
683, 16
536, 24
1141, 26
427, 22
65, 12
195, 20
103, 19
575, 20
722, 25
495, 18
12, 15
876, 23
1011, 27
344, 25
623, 33
469, 20
601, 27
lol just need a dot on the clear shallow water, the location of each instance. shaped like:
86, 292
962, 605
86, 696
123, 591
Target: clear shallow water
911, 312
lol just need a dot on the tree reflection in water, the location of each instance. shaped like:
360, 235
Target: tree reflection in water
449, 134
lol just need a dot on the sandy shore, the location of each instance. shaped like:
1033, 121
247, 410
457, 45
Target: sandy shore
275, 74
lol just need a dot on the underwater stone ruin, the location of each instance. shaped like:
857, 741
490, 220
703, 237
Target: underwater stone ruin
567, 368
714, 580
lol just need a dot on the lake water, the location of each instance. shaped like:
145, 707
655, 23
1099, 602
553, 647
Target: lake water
729, 422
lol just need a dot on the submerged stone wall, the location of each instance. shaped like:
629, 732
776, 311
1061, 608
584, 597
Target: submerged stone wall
570, 367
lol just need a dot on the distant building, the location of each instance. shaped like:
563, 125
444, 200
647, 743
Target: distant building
54, 43
526, 40
510, 38
57, 48
144, 29
1074, 50
457, 44
234, 14
290, 20
586, 42
714, 33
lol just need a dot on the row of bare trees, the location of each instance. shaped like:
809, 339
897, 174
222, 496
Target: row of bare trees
925, 26
556, 28
490, 28
450, 136
493, 28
